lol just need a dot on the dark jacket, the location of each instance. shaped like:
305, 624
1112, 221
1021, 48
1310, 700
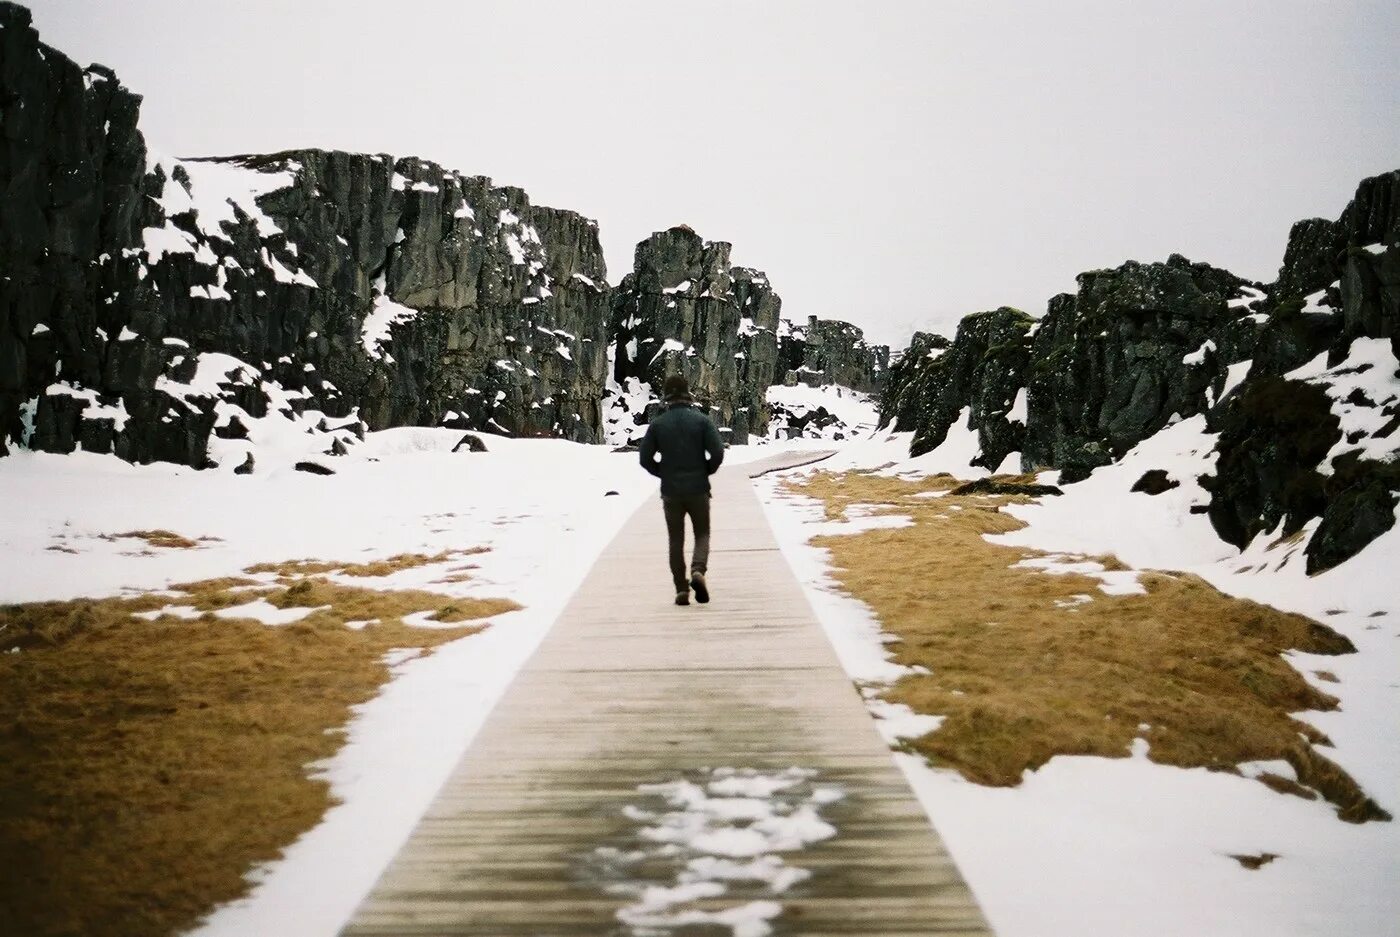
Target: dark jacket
683, 436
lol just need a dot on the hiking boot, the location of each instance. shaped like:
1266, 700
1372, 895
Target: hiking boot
683, 597
702, 591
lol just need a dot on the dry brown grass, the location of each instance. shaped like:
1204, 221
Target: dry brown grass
145, 765
384, 567
157, 538
1255, 862
1021, 678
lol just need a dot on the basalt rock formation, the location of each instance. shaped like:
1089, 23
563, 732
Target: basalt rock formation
684, 310
148, 303
1314, 432
977, 379
829, 351
164, 309
1298, 378
1135, 347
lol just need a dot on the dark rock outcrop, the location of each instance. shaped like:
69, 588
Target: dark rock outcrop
1001, 486
72, 163
148, 303
1114, 363
901, 398
1154, 482
829, 351
981, 372
684, 310
1339, 283
1273, 434
1143, 345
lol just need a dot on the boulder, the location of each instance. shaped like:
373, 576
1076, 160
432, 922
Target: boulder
471, 442
1155, 482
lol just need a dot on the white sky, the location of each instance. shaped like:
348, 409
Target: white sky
894, 164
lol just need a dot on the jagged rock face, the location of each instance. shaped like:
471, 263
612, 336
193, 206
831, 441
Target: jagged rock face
1351, 265
829, 351
1338, 291
684, 310
1134, 347
1273, 434
1299, 379
474, 307
982, 372
1312, 258
901, 395
148, 303
72, 161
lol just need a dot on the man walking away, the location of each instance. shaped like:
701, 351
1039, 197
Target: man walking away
691, 451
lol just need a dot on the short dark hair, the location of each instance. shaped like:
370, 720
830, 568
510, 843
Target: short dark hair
676, 386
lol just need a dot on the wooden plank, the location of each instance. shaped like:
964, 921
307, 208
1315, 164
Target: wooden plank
629, 689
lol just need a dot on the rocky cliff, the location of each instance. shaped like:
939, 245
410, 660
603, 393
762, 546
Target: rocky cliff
829, 351
684, 310
150, 301
199, 310
1314, 430
1297, 378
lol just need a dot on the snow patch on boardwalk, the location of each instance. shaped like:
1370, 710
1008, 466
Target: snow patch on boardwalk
719, 835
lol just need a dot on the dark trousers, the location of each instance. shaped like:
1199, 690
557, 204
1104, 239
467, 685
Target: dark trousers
698, 507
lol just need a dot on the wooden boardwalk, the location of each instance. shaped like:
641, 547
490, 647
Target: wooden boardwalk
545, 827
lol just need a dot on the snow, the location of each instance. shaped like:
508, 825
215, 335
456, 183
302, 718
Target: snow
955, 455
1235, 375
1370, 369
39, 329
1085, 844
1018, 411
282, 274
95, 409
157, 242
624, 409
1249, 296
375, 330
1313, 302
543, 526
669, 344
695, 835
216, 188
681, 287
1199, 355
1375, 248
856, 413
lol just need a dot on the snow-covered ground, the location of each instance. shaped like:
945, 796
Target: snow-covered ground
1084, 845
541, 506
1090, 845
796, 409
544, 508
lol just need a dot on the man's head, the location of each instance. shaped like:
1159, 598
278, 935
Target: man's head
676, 387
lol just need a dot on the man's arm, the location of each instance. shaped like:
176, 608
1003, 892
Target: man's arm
647, 452
714, 447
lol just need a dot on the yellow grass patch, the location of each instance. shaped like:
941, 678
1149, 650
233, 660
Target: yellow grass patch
1023, 668
157, 538
146, 765
384, 567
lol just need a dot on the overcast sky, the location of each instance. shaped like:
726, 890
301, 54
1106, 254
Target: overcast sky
894, 164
